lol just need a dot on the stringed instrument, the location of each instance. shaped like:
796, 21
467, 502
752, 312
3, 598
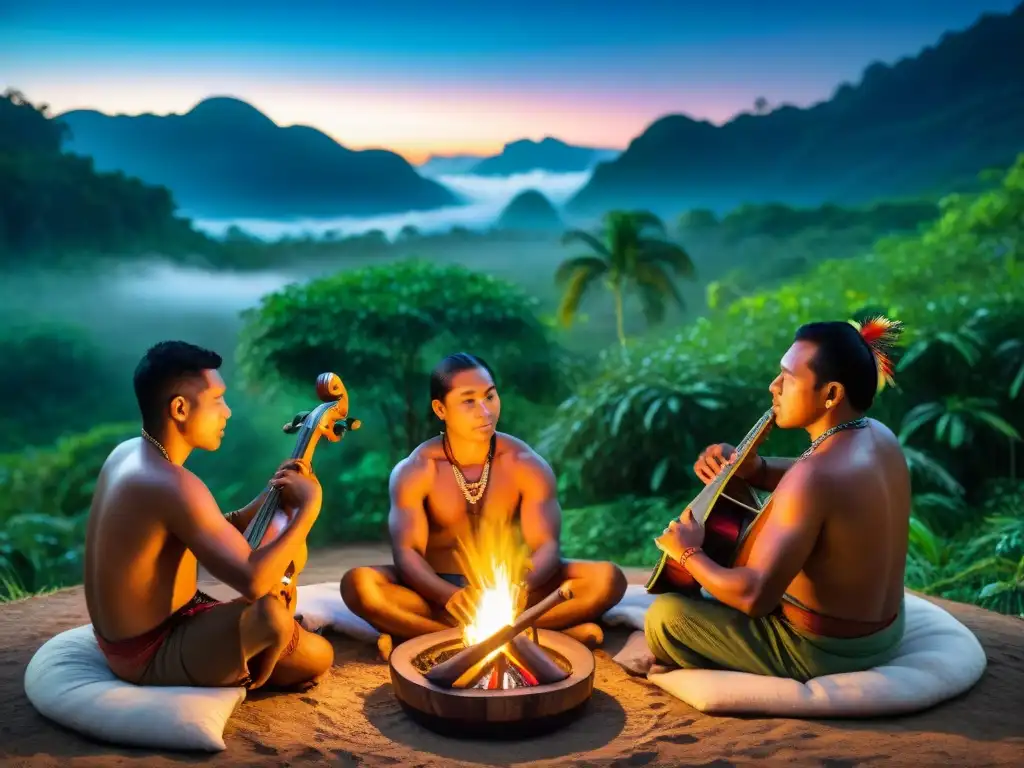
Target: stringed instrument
728, 509
329, 420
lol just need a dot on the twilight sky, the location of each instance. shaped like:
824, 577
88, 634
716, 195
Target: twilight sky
422, 77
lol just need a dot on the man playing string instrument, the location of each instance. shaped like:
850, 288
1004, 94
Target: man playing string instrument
151, 519
468, 473
820, 590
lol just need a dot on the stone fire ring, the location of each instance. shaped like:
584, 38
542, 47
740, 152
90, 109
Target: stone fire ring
474, 712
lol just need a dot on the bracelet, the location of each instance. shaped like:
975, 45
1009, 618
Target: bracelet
687, 554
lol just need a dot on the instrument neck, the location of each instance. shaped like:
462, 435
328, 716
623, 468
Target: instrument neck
262, 519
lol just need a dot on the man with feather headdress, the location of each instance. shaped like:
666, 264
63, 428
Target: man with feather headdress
817, 587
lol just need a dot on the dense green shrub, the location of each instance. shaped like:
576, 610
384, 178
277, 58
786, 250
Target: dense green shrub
44, 507
384, 328
636, 427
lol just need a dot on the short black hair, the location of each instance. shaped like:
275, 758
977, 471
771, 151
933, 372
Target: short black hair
442, 375
161, 369
843, 356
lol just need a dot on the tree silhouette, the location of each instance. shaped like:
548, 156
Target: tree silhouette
630, 252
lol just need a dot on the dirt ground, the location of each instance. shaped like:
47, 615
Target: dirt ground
352, 718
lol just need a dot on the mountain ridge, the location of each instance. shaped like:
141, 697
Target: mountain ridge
225, 158
548, 154
930, 120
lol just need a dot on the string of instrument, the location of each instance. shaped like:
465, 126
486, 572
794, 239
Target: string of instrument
329, 420
730, 512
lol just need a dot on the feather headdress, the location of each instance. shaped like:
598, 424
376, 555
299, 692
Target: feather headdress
880, 334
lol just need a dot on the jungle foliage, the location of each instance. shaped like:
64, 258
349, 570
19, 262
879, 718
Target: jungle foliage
621, 426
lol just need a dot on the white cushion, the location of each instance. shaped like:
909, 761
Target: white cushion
68, 681
938, 658
320, 605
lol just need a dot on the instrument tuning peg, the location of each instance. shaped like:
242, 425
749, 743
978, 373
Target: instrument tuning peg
344, 425
293, 426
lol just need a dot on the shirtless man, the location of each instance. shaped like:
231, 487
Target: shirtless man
152, 519
822, 589
420, 593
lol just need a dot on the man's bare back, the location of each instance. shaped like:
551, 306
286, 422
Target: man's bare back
856, 568
136, 573
152, 522
821, 570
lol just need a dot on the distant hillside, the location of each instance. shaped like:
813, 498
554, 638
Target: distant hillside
922, 126
530, 211
60, 210
440, 165
548, 154
225, 158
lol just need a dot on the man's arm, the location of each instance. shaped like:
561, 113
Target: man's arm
409, 529
191, 513
779, 552
540, 517
769, 472
241, 518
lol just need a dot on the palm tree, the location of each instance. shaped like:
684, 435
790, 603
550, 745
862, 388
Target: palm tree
631, 251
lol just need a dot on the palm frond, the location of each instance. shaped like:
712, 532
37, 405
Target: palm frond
577, 284
591, 241
656, 287
570, 266
917, 417
669, 254
927, 468
997, 423
645, 220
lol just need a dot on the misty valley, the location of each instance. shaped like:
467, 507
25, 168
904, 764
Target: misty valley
291, 255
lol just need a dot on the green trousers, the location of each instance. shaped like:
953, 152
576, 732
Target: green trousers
696, 633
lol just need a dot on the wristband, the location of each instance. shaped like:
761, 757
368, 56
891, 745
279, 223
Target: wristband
687, 554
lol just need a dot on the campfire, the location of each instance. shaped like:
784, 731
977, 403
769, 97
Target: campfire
496, 653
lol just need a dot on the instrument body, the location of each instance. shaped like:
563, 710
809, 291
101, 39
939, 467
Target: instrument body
328, 420
728, 509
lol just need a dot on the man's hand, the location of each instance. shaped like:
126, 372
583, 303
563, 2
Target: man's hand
299, 486
715, 457
680, 535
462, 605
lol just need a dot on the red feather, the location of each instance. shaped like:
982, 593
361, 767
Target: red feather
881, 334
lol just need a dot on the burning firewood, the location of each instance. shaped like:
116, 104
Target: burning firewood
530, 655
447, 673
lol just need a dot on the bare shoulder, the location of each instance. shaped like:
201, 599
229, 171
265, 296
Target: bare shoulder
882, 432
807, 484
169, 490
418, 468
526, 462
122, 450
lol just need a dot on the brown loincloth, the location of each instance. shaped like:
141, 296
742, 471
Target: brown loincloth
178, 651
807, 620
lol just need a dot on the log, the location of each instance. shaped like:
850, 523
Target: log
492, 713
530, 655
472, 676
526, 674
447, 673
